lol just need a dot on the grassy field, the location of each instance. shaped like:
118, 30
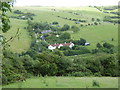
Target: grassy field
93, 34
22, 44
98, 34
66, 82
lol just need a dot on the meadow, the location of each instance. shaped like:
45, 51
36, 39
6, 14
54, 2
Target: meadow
66, 82
21, 43
93, 34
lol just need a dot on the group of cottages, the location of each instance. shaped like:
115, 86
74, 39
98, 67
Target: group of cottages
54, 46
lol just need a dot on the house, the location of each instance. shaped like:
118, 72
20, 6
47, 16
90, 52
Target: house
42, 37
46, 31
77, 22
87, 44
57, 35
54, 46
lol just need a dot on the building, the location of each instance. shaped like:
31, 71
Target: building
46, 31
42, 37
54, 46
87, 44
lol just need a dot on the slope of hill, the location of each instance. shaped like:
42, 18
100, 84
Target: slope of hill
93, 34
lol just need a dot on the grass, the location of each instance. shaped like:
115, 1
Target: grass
22, 44
93, 34
98, 34
66, 82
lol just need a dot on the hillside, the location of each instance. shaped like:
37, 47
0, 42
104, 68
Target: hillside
93, 34
60, 47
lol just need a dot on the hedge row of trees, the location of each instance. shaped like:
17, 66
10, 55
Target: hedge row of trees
32, 63
111, 19
22, 15
72, 19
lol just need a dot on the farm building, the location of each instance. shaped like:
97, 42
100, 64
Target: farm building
42, 37
54, 46
87, 44
46, 31
77, 22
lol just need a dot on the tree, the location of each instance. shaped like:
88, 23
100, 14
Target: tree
5, 7
98, 20
95, 23
75, 28
112, 39
82, 41
93, 19
99, 45
65, 36
107, 45
65, 27
55, 22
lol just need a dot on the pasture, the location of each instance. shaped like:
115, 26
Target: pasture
22, 43
93, 34
66, 82
98, 34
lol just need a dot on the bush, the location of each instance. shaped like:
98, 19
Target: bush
18, 12
65, 48
76, 51
55, 22
95, 23
65, 27
77, 74
95, 83
65, 36
75, 28
82, 41
99, 45
107, 45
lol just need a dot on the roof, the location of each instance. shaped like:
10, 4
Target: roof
64, 44
46, 31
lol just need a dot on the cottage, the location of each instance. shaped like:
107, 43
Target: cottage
23, 17
42, 37
54, 46
57, 35
77, 22
46, 31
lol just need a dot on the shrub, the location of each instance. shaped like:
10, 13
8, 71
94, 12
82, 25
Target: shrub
82, 41
75, 28
18, 12
65, 27
107, 45
93, 19
55, 22
65, 36
95, 83
95, 23
77, 74
99, 45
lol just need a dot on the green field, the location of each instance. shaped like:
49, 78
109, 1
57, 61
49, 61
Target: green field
66, 82
23, 43
98, 34
93, 34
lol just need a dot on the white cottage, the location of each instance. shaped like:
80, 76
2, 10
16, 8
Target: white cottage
54, 46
